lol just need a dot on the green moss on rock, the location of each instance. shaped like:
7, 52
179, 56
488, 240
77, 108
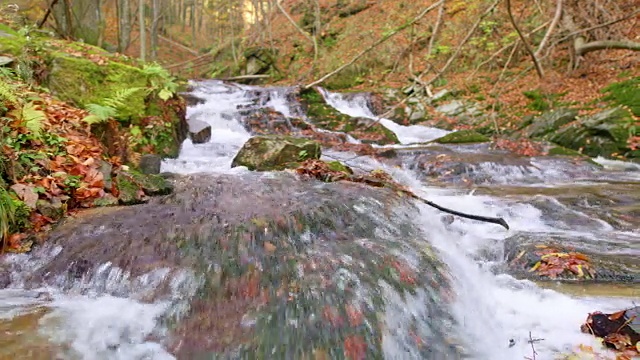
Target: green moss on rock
83, 82
602, 134
462, 137
326, 117
626, 93
275, 152
133, 186
340, 167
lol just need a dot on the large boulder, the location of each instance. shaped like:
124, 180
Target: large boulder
550, 121
601, 134
275, 152
250, 267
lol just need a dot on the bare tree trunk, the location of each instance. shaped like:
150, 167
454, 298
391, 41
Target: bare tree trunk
143, 31
100, 23
124, 21
153, 35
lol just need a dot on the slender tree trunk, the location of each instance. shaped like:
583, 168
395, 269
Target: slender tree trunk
124, 21
155, 14
143, 32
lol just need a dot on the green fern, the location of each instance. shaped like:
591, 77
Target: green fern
7, 92
7, 214
110, 107
31, 117
119, 99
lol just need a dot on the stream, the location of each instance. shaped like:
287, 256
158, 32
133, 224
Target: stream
494, 313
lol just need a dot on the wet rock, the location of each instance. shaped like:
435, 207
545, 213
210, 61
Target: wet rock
570, 259
53, 209
550, 122
192, 100
150, 164
106, 169
106, 200
275, 152
269, 252
199, 131
462, 137
267, 121
134, 187
602, 134
326, 117
5, 278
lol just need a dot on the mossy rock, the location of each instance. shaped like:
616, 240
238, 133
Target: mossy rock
326, 117
462, 137
550, 122
602, 134
340, 167
133, 186
625, 93
83, 82
275, 152
563, 151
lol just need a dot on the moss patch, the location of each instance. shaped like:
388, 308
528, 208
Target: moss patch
626, 93
326, 117
275, 152
462, 137
83, 82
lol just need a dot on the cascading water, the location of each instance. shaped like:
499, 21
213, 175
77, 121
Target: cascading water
495, 313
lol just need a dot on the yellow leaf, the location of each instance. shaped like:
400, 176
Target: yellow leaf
554, 254
520, 255
535, 267
580, 272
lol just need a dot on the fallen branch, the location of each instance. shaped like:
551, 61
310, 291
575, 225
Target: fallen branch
375, 44
582, 48
320, 170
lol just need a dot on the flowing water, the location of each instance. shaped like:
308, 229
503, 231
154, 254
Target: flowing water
495, 313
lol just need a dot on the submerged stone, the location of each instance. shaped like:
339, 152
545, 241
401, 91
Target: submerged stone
563, 258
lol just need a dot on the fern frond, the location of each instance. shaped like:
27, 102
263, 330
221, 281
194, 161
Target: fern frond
7, 211
120, 97
7, 92
33, 118
99, 113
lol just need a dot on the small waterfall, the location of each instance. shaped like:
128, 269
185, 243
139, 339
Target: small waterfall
112, 314
356, 105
